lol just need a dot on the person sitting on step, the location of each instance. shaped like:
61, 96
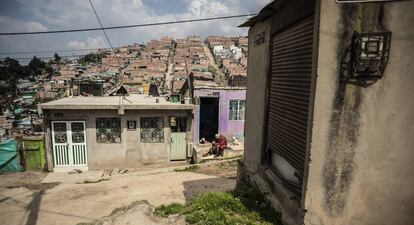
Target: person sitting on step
218, 146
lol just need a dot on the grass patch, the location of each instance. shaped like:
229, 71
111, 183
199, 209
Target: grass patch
235, 158
171, 209
227, 164
243, 206
253, 199
191, 168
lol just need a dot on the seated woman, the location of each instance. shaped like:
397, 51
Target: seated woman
218, 146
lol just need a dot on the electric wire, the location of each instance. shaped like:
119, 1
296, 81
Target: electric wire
51, 57
127, 26
107, 38
51, 51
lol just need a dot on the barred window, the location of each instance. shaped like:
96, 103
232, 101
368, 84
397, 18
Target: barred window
108, 130
237, 109
60, 132
152, 129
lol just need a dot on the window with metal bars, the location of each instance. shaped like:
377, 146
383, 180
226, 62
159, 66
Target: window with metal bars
108, 130
152, 129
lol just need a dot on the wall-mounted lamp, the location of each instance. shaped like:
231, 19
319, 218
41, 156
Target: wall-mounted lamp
369, 55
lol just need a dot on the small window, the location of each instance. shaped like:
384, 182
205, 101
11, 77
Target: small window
152, 130
132, 124
108, 130
237, 109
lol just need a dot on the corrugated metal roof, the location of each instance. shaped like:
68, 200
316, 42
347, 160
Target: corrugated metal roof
265, 13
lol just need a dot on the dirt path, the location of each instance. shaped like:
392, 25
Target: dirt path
221, 78
26, 201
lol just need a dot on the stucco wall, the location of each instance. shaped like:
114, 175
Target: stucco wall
256, 95
361, 169
130, 152
228, 128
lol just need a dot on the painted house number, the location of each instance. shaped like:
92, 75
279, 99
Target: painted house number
259, 38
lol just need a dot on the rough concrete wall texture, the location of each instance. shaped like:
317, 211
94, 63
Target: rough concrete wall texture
196, 130
130, 152
258, 59
361, 169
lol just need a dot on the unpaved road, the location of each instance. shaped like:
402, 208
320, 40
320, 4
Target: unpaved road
221, 78
26, 202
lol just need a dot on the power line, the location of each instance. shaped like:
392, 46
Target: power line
127, 26
106, 36
46, 57
51, 51
51, 57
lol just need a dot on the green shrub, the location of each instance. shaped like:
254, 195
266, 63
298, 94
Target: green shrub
253, 199
221, 208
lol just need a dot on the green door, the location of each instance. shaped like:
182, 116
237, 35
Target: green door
34, 157
178, 138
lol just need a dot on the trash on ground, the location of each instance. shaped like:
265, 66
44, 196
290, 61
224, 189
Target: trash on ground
75, 171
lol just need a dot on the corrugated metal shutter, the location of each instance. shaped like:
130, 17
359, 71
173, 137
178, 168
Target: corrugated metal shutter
289, 92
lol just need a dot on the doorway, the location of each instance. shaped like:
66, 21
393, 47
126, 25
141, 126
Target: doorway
178, 127
69, 145
209, 117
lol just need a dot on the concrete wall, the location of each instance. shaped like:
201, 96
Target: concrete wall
130, 152
228, 128
252, 170
256, 95
361, 169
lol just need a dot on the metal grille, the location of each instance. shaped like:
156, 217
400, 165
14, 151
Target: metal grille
108, 130
152, 130
78, 134
60, 132
289, 93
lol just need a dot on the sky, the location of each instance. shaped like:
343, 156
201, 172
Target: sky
46, 15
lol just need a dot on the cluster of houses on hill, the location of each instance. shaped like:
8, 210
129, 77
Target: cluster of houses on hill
231, 54
18, 115
138, 104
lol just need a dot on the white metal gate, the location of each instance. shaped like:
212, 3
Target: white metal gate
69, 145
178, 145
178, 138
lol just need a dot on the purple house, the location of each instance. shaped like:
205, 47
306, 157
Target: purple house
219, 110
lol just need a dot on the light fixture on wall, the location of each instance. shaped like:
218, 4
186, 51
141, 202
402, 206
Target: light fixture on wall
364, 61
370, 52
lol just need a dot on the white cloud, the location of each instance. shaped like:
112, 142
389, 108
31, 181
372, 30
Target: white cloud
208, 8
9, 24
63, 14
91, 42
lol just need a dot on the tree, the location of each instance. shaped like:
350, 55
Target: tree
91, 57
10, 73
49, 70
36, 65
13, 70
57, 58
12, 65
